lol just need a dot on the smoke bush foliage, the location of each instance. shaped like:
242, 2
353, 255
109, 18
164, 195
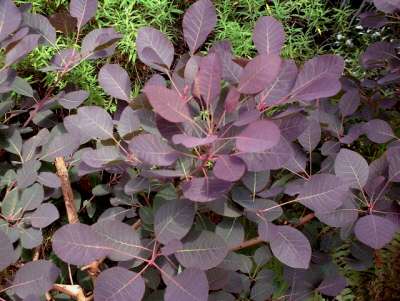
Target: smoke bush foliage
216, 149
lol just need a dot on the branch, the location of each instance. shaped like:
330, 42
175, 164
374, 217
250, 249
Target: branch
257, 240
67, 190
74, 291
248, 243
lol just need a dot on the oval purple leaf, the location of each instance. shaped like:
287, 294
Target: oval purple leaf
374, 231
6, 251
10, 18
323, 193
168, 104
258, 136
152, 150
379, 131
154, 49
119, 284
115, 81
44, 216
291, 247
78, 244
198, 22
205, 189
229, 168
35, 278
268, 35
173, 220
73, 99
82, 10
203, 250
190, 285
352, 168
259, 73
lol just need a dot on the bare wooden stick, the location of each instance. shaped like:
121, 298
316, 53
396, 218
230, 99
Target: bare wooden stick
67, 190
248, 243
74, 291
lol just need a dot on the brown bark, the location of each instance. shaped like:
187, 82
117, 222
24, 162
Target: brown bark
67, 190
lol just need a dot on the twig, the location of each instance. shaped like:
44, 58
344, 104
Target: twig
248, 243
257, 240
137, 224
74, 291
304, 220
67, 191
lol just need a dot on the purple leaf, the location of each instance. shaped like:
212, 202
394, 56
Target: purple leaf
40, 25
230, 70
35, 278
115, 81
319, 78
298, 162
19, 51
121, 240
128, 123
259, 73
82, 10
340, 217
30, 238
256, 181
45, 215
10, 18
78, 244
100, 157
154, 49
22, 87
221, 296
6, 251
231, 230
332, 285
232, 100
136, 184
152, 150
95, 122
393, 158
168, 104
377, 53
387, 6
276, 92
270, 159
198, 22
190, 285
119, 284
209, 77
190, 142
229, 168
58, 148
374, 231
291, 247
311, 137
379, 131
349, 102
173, 220
99, 43
27, 174
203, 250
268, 35
73, 99
323, 193
257, 137
352, 168
205, 189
